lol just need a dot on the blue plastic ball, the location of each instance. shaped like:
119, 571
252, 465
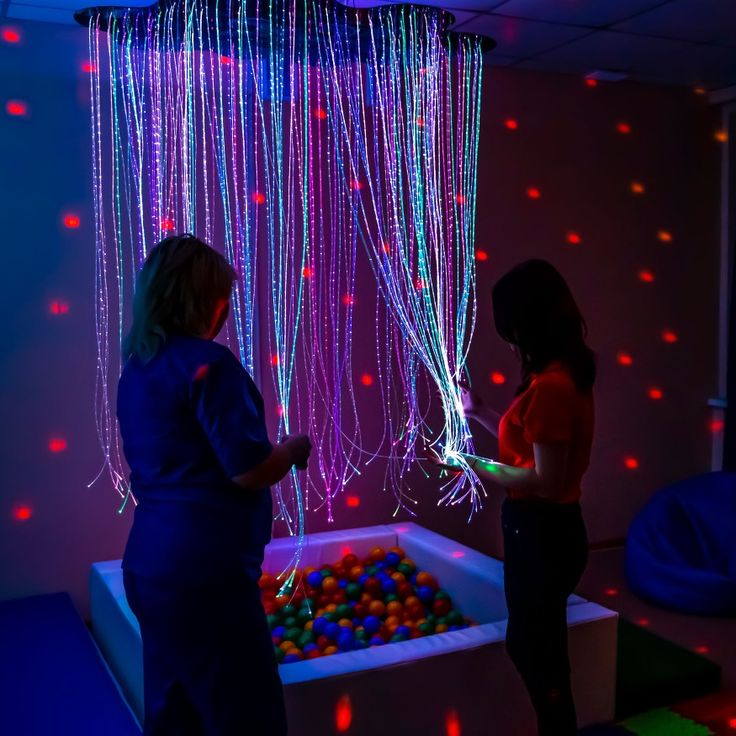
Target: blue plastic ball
388, 585
376, 641
403, 631
392, 559
332, 630
279, 632
425, 594
380, 565
315, 579
413, 579
363, 578
357, 622
372, 624
345, 641
289, 658
342, 583
454, 627
318, 627
309, 648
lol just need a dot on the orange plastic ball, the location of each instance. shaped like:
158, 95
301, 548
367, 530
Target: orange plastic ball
308, 625
366, 598
345, 622
286, 645
330, 585
409, 563
440, 628
330, 650
412, 600
355, 572
397, 551
425, 579
296, 651
377, 608
398, 578
404, 590
392, 621
395, 608
377, 554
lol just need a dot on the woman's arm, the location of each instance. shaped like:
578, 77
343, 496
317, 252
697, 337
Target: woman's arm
293, 450
544, 480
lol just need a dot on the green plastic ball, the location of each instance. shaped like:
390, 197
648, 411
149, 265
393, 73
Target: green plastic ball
303, 616
344, 611
290, 622
326, 572
280, 654
273, 621
426, 628
293, 634
354, 591
288, 610
454, 618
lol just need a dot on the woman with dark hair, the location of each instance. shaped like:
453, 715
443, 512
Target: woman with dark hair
544, 443
194, 435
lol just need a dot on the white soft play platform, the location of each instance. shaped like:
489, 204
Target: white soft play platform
430, 686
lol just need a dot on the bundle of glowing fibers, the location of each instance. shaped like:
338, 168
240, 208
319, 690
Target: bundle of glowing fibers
303, 138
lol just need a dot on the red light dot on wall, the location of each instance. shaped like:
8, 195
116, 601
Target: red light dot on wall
458, 553
664, 236
646, 276
352, 501
623, 128
18, 108
10, 35
636, 187
307, 272
589, 82
320, 113
533, 193
343, 714
348, 300
58, 308
732, 723
669, 336
89, 67
631, 463
167, 225
386, 248
275, 360
420, 122
611, 591
699, 90
721, 136
356, 185
452, 723
225, 60
366, 379
655, 393
624, 358
280, 410
702, 649
643, 621
511, 124
716, 425
22, 512
71, 221
57, 444
481, 255
259, 197
573, 238
460, 199
498, 378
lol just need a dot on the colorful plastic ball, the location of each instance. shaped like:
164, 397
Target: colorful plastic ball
353, 591
332, 630
273, 621
279, 632
376, 641
290, 622
304, 640
372, 624
342, 583
291, 657
330, 584
285, 646
279, 654
322, 641
403, 631
426, 628
356, 573
345, 623
454, 627
388, 586
311, 647
392, 559
380, 565
373, 586
326, 572
394, 608
377, 608
440, 628
293, 634
397, 551
363, 578
330, 650
350, 561
314, 579
398, 637
303, 616
441, 607
425, 594
376, 554
288, 610
371, 570
455, 618
345, 641
404, 590
313, 653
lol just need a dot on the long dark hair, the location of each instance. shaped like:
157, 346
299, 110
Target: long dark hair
177, 292
534, 309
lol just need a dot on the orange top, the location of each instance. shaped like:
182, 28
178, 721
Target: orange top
552, 410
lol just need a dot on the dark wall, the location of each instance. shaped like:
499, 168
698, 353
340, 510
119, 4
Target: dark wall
566, 144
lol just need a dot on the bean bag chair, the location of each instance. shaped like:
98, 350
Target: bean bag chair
681, 547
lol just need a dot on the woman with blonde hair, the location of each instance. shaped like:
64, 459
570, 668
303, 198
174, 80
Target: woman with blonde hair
194, 435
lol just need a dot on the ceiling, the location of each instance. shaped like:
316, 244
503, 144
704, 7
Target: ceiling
687, 42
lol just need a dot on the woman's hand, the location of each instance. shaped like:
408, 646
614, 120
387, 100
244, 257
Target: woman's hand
472, 403
299, 447
436, 460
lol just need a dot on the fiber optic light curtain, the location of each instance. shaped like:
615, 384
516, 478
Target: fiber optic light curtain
308, 140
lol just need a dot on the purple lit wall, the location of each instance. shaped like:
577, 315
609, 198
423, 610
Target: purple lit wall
616, 184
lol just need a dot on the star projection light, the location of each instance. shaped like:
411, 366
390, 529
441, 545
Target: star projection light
308, 140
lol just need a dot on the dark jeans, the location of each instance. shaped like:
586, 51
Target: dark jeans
546, 549
208, 661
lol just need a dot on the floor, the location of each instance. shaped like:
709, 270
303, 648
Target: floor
604, 583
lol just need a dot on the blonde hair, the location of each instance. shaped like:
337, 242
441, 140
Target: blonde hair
177, 292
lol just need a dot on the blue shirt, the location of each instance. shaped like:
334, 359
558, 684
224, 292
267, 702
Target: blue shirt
191, 419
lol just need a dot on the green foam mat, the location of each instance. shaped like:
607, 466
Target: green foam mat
663, 722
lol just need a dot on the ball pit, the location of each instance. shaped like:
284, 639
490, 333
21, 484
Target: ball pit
356, 604
417, 685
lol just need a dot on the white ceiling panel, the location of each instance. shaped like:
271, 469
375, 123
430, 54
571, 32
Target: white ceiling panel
704, 21
576, 12
521, 38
